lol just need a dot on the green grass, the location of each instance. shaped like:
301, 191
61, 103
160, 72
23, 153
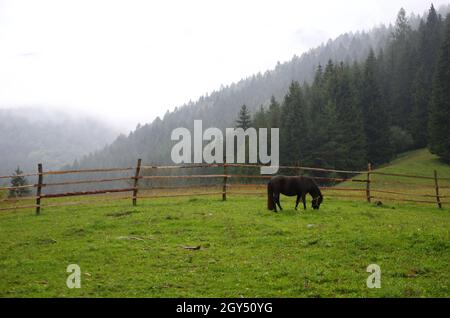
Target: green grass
419, 162
245, 250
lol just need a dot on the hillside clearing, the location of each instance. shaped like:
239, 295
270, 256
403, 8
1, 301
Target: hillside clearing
203, 247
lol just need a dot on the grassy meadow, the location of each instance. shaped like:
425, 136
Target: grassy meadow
203, 247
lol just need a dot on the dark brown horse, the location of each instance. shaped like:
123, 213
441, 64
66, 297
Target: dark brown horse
292, 186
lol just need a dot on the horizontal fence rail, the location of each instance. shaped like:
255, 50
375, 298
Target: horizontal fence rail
137, 174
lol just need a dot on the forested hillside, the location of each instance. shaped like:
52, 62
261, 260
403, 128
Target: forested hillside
361, 97
367, 112
31, 135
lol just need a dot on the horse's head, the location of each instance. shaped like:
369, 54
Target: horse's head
316, 202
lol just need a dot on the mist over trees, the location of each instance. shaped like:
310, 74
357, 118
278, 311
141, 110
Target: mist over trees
370, 111
32, 135
362, 97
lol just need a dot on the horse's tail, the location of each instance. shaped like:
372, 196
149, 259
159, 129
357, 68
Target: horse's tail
269, 196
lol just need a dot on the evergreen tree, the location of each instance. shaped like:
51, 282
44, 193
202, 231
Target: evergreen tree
18, 181
402, 68
429, 41
324, 149
438, 126
376, 121
317, 96
268, 119
244, 118
260, 119
294, 128
419, 116
330, 151
402, 27
274, 113
351, 138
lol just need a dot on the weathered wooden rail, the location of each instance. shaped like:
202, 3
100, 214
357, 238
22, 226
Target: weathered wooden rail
368, 192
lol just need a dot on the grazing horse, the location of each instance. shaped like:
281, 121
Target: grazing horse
291, 186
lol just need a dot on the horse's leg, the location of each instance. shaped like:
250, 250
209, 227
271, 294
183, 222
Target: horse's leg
298, 201
304, 200
277, 198
274, 200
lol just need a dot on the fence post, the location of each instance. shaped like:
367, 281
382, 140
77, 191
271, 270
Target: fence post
39, 189
436, 184
369, 169
224, 187
136, 181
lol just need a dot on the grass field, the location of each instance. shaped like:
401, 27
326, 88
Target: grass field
419, 162
242, 249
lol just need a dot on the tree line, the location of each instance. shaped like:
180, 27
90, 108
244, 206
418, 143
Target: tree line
397, 99
400, 53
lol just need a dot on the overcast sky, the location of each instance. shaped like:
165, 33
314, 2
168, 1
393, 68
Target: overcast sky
129, 61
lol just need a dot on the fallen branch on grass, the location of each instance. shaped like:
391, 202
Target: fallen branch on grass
192, 248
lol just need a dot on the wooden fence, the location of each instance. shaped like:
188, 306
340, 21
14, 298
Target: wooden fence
368, 191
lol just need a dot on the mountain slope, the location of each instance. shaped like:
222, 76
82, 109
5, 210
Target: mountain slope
152, 143
29, 136
397, 188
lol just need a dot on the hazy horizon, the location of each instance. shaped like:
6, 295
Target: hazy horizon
128, 62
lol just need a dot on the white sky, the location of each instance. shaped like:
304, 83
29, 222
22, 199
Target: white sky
129, 61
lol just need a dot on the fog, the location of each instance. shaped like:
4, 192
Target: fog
127, 62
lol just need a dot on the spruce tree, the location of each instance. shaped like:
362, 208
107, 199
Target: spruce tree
351, 138
274, 113
429, 41
244, 121
244, 118
18, 181
294, 128
330, 151
402, 69
419, 116
325, 149
376, 120
318, 99
438, 125
260, 118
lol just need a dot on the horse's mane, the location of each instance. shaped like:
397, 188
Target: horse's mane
316, 187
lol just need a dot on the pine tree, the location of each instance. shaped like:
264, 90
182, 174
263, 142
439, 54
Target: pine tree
438, 125
18, 181
244, 118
